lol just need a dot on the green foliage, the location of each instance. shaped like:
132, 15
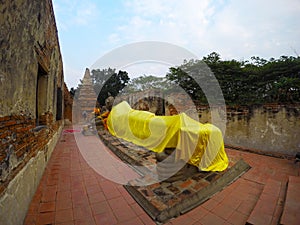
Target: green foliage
108, 81
181, 77
244, 83
144, 83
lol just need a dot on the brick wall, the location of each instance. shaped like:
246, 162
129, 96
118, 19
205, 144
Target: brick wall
68, 104
31, 101
20, 140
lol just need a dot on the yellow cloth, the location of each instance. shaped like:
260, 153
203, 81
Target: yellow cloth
198, 144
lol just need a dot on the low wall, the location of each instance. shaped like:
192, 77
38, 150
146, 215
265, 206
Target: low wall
272, 129
16, 198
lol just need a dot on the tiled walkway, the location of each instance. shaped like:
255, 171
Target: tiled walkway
71, 192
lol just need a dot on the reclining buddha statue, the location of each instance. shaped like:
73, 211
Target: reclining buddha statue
200, 145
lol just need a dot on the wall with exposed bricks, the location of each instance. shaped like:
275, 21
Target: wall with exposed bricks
31, 101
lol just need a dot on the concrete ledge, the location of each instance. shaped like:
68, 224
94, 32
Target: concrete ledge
14, 202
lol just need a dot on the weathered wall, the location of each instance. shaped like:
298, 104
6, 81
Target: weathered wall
16, 198
68, 104
31, 101
275, 129
28, 38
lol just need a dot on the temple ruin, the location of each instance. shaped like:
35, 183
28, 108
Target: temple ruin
86, 98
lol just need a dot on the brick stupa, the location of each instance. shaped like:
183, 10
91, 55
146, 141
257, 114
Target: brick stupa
87, 97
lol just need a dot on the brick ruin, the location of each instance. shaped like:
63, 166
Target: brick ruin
86, 100
68, 104
31, 101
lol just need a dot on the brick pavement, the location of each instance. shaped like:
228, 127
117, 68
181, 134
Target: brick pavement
71, 192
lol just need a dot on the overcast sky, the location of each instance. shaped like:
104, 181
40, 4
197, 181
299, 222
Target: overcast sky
88, 29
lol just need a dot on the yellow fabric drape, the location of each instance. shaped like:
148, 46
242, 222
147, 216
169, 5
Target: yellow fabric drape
199, 144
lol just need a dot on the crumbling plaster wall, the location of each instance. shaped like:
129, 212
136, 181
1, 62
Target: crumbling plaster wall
272, 129
27, 27
29, 58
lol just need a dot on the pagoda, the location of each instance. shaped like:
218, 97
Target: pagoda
87, 98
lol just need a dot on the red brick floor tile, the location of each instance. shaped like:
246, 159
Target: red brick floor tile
65, 215
100, 207
258, 219
226, 223
198, 213
90, 182
291, 208
146, 219
237, 218
224, 211
78, 187
210, 219
49, 195
66, 223
246, 207
79, 197
96, 200
106, 218
47, 207
85, 221
37, 196
64, 186
183, 219
134, 221
110, 192
52, 182
232, 201
124, 214
96, 197
210, 204
117, 203
45, 218
63, 204
126, 195
78, 192
63, 195
83, 212
91, 189
138, 210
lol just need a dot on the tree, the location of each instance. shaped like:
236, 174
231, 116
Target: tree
108, 81
257, 81
184, 77
145, 82
212, 58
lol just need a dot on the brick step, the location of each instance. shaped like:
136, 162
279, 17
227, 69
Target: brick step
291, 211
269, 206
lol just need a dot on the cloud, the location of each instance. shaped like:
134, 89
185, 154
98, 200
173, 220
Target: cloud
264, 28
75, 12
73, 75
86, 13
233, 28
166, 21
